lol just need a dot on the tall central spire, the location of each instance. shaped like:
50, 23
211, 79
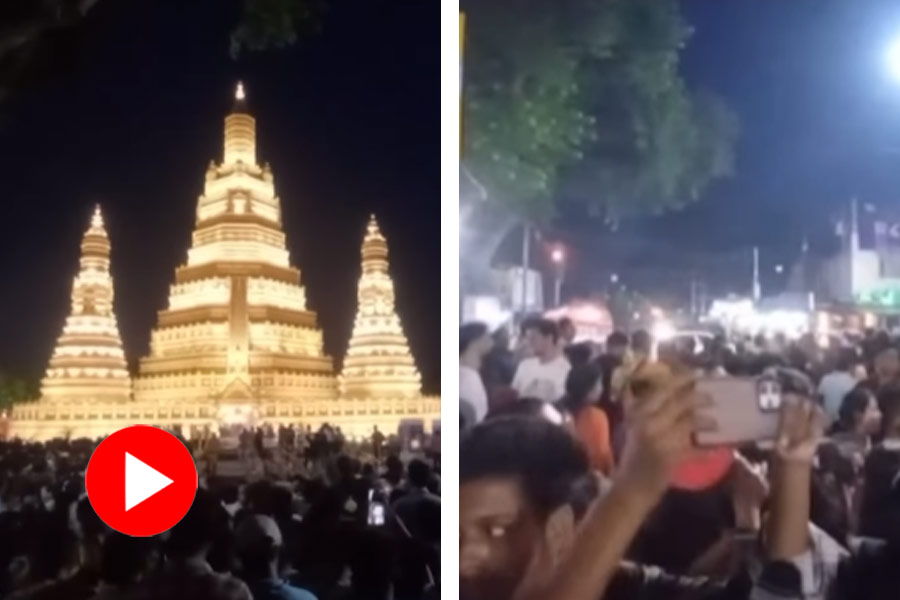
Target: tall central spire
240, 132
236, 327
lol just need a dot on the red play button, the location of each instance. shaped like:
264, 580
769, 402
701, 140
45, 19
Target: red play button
141, 480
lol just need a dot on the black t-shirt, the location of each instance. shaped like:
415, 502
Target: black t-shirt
608, 363
870, 574
880, 511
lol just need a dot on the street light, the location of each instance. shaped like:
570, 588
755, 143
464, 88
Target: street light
558, 256
893, 59
614, 278
779, 269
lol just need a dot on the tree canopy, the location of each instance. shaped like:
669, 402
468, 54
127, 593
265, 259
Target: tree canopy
268, 24
583, 100
36, 36
14, 390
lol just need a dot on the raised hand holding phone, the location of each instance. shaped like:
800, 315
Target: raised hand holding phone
663, 420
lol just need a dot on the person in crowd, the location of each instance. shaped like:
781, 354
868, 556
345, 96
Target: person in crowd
583, 389
578, 354
352, 489
838, 382
211, 453
125, 565
258, 543
641, 346
499, 365
245, 439
566, 332
803, 569
187, 574
474, 345
879, 507
859, 419
617, 345
543, 375
80, 584
377, 442
371, 562
640, 352
886, 368
611, 359
523, 348
407, 510
529, 525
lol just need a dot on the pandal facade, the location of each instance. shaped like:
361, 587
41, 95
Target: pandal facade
236, 344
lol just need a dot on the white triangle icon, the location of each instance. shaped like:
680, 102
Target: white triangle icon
141, 481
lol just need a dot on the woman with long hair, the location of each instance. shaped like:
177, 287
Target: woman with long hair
590, 425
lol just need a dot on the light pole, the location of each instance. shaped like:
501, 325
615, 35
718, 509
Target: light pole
559, 258
757, 291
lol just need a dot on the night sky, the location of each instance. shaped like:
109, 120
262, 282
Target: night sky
820, 116
130, 116
820, 123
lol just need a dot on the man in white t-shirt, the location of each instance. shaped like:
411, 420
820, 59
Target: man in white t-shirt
474, 343
543, 376
838, 383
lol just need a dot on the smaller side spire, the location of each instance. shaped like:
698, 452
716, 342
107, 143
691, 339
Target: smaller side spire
378, 362
88, 364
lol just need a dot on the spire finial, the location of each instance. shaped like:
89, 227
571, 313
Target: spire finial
97, 218
372, 227
239, 91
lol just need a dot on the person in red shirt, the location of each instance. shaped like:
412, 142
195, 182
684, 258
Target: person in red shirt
584, 385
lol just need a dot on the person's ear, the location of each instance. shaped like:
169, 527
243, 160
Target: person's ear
560, 533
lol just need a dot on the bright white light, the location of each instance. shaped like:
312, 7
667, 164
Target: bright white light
893, 59
239, 92
779, 268
557, 255
614, 278
663, 331
549, 412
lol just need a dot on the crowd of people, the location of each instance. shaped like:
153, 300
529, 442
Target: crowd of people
352, 521
581, 476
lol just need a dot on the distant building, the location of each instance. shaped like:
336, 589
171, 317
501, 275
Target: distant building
866, 272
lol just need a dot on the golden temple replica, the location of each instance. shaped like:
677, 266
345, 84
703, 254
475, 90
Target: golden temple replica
236, 344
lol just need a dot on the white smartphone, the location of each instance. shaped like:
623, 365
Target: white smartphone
745, 410
376, 514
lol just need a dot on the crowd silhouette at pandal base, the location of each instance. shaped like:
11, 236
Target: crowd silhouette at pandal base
284, 513
582, 473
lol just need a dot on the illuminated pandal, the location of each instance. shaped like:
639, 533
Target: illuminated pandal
236, 343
